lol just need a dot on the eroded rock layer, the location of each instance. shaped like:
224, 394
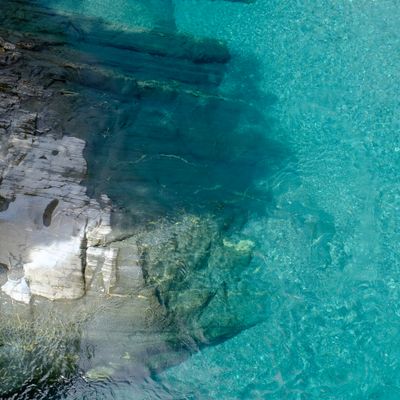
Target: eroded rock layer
47, 220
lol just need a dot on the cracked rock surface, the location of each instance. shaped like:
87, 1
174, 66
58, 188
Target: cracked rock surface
47, 221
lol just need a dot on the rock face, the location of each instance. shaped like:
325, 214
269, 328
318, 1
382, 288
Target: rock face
18, 290
49, 219
115, 269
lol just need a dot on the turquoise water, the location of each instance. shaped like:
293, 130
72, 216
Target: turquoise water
305, 169
333, 330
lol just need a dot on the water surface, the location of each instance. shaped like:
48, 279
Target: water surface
288, 157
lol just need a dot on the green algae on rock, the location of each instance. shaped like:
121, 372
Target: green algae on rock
36, 353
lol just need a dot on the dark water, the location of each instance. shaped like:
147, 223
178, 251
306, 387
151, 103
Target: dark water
263, 161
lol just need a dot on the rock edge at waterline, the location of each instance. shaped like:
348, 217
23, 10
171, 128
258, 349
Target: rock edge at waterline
47, 222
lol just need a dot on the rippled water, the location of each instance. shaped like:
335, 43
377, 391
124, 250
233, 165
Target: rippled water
304, 170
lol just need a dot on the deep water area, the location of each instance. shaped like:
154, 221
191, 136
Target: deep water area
250, 149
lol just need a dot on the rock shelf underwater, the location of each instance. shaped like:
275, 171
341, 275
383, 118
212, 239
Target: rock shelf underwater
170, 176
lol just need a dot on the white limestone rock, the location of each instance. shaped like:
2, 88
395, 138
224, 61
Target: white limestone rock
101, 267
114, 269
49, 220
17, 290
55, 271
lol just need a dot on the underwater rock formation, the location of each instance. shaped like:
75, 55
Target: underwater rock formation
162, 106
105, 127
198, 273
144, 107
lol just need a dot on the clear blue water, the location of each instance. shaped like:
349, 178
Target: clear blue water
316, 190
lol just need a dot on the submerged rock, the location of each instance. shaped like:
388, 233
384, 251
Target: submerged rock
99, 373
60, 244
198, 273
35, 354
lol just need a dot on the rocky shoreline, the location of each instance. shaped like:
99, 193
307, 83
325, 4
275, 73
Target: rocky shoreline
52, 225
145, 110
59, 243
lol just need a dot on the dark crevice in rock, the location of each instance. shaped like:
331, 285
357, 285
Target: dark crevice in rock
3, 268
84, 250
6, 88
48, 212
4, 203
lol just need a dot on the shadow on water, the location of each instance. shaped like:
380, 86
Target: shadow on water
170, 152
176, 145
161, 136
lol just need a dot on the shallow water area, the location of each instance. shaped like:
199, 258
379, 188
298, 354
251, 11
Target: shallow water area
259, 173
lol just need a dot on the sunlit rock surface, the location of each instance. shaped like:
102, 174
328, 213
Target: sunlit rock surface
18, 290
